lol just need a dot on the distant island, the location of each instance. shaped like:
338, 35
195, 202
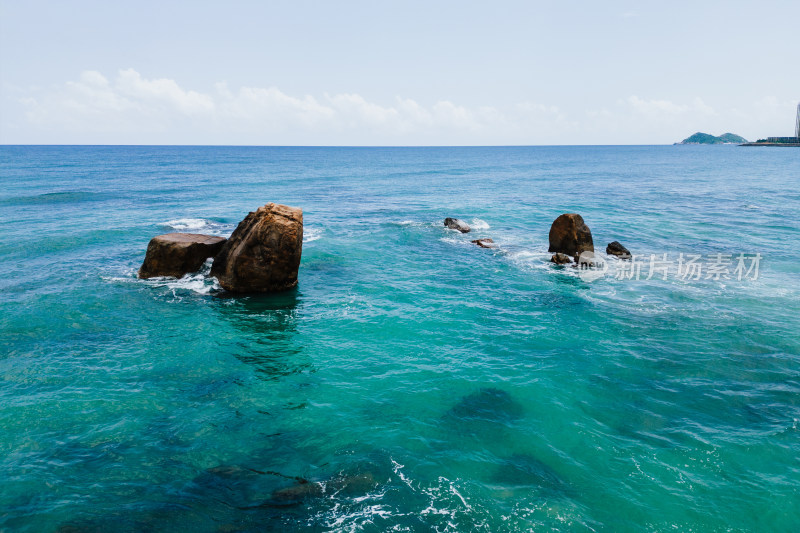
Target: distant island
730, 138
705, 138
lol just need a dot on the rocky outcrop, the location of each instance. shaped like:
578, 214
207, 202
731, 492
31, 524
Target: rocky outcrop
177, 254
615, 248
456, 224
263, 253
561, 259
570, 235
484, 243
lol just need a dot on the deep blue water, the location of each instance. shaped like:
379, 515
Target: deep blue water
428, 384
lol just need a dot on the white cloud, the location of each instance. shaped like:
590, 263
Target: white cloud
666, 109
130, 108
134, 105
268, 105
162, 93
356, 110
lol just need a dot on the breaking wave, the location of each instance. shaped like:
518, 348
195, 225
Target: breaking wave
199, 224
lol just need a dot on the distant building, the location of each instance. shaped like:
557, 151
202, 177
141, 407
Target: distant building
781, 141
794, 139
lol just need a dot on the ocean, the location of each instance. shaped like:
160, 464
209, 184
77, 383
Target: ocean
412, 381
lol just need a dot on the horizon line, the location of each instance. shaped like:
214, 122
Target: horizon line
351, 145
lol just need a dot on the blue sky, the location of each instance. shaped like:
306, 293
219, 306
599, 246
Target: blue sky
395, 73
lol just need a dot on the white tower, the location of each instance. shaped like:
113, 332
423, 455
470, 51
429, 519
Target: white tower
797, 125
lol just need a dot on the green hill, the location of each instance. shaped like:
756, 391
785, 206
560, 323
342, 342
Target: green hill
732, 138
705, 138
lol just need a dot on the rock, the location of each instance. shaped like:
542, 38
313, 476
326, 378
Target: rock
532, 473
484, 243
454, 223
615, 248
570, 235
561, 259
176, 254
263, 254
297, 493
350, 484
488, 404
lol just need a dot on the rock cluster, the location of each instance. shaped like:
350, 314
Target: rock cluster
262, 255
570, 237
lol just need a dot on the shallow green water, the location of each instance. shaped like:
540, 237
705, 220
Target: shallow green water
427, 383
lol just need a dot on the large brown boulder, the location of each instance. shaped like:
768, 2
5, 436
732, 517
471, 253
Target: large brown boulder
263, 254
176, 254
570, 235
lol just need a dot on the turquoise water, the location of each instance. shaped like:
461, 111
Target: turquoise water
429, 384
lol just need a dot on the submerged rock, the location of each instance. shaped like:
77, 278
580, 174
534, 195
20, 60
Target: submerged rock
457, 224
522, 470
487, 404
296, 494
176, 254
351, 484
615, 248
263, 254
561, 259
570, 235
484, 243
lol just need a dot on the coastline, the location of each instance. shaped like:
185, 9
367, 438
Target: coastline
771, 144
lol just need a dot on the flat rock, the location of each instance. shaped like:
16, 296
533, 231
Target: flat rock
263, 253
177, 254
570, 235
484, 243
615, 248
457, 224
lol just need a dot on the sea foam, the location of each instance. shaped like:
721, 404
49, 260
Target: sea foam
200, 225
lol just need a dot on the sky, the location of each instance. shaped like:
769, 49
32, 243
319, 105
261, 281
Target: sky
386, 72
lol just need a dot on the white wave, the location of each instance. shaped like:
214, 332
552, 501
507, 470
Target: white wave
478, 223
312, 234
397, 468
187, 223
456, 240
199, 224
197, 282
529, 258
417, 223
